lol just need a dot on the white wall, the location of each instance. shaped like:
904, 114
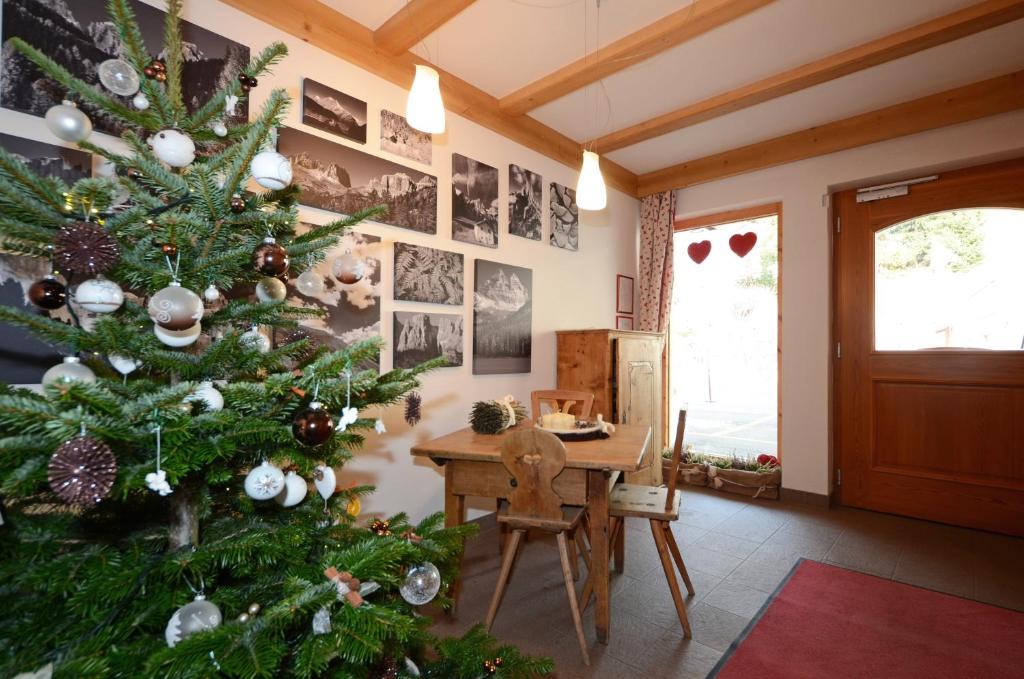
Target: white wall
571, 289
806, 258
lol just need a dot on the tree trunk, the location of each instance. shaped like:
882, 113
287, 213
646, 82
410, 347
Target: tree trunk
184, 528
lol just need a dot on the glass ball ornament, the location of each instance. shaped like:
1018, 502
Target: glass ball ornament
67, 122
70, 370
208, 395
119, 77
271, 289
173, 147
264, 481
325, 480
140, 101
175, 307
422, 583
310, 283
294, 490
196, 616
219, 128
178, 338
271, 170
312, 425
348, 268
211, 293
99, 295
123, 364
257, 340
269, 258
48, 293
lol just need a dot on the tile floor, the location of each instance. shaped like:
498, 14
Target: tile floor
737, 551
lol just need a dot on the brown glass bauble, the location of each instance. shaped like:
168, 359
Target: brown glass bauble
312, 425
269, 258
48, 293
85, 248
169, 249
82, 471
237, 204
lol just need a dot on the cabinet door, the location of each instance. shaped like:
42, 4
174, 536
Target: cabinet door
638, 366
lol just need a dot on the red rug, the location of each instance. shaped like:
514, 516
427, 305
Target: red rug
826, 621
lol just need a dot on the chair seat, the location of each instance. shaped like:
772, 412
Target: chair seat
570, 519
646, 502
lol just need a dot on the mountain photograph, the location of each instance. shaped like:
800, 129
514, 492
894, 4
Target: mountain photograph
420, 337
524, 208
400, 138
332, 111
502, 318
474, 202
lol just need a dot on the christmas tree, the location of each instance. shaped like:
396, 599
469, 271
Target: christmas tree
155, 518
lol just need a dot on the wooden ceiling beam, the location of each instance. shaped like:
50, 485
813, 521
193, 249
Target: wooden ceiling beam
321, 26
414, 22
689, 22
947, 28
977, 100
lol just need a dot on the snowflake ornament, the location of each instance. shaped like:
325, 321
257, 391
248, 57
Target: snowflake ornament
349, 416
379, 426
157, 482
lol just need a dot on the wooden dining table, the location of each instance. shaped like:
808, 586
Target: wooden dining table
473, 468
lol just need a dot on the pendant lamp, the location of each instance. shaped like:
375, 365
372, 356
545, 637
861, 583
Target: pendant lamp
591, 193
424, 109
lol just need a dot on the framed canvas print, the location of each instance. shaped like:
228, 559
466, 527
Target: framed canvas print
474, 202
624, 294
425, 274
398, 137
332, 111
565, 218
524, 202
502, 318
421, 336
624, 323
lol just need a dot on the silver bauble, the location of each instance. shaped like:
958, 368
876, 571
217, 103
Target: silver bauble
257, 340
264, 482
271, 170
421, 585
140, 101
123, 364
67, 122
173, 147
294, 490
219, 128
211, 293
99, 295
119, 77
175, 307
209, 395
271, 289
178, 338
195, 616
348, 268
310, 283
70, 370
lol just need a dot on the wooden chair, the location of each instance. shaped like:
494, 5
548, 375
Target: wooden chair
534, 458
659, 505
562, 401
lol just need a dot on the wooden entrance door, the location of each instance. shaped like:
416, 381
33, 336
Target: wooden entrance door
931, 432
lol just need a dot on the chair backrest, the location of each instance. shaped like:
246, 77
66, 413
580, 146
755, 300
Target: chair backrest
677, 456
534, 458
562, 401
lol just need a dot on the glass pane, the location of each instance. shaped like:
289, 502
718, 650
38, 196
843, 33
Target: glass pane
951, 280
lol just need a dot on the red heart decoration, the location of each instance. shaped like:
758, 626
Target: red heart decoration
699, 251
743, 243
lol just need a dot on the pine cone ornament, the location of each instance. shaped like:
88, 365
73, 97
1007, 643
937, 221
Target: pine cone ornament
85, 248
413, 404
82, 471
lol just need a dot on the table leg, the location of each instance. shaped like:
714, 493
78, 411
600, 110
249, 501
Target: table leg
597, 499
454, 515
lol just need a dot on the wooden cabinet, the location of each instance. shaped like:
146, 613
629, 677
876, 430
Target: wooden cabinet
623, 369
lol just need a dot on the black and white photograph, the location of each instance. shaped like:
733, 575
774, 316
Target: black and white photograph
474, 202
430, 275
565, 218
524, 203
79, 36
332, 111
502, 318
423, 336
345, 180
23, 357
352, 312
398, 137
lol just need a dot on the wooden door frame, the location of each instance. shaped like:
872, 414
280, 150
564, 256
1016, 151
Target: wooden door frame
731, 217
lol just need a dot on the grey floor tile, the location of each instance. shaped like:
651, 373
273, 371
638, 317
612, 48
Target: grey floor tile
717, 541
714, 627
737, 598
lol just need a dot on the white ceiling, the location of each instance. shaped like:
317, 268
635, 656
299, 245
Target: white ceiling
502, 45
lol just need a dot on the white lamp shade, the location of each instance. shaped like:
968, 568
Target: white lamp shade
590, 190
424, 109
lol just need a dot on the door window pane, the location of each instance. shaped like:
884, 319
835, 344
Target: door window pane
951, 280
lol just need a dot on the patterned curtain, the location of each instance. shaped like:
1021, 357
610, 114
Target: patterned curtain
657, 213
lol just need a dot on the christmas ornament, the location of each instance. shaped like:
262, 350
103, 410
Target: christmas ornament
157, 481
175, 307
85, 248
99, 295
48, 293
269, 258
209, 395
256, 339
322, 621
230, 103
119, 77
140, 101
237, 204
264, 482
742, 243
271, 289
123, 364
219, 128
698, 252
413, 404
195, 616
312, 425
379, 427
411, 668
294, 490
421, 585
82, 470
310, 283
349, 587
494, 417
70, 370
178, 338
491, 667
348, 268
325, 481
348, 416
271, 170
44, 672
173, 147
354, 507
211, 294
156, 70
386, 668
250, 613
169, 249
380, 527
247, 82
67, 122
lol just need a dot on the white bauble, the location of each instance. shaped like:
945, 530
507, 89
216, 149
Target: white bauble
119, 77
195, 616
173, 147
67, 122
257, 340
209, 395
211, 293
294, 490
271, 170
270, 289
219, 128
100, 295
71, 370
325, 480
310, 283
264, 482
178, 338
123, 364
140, 101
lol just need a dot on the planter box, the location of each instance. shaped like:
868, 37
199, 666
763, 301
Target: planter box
689, 473
752, 484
